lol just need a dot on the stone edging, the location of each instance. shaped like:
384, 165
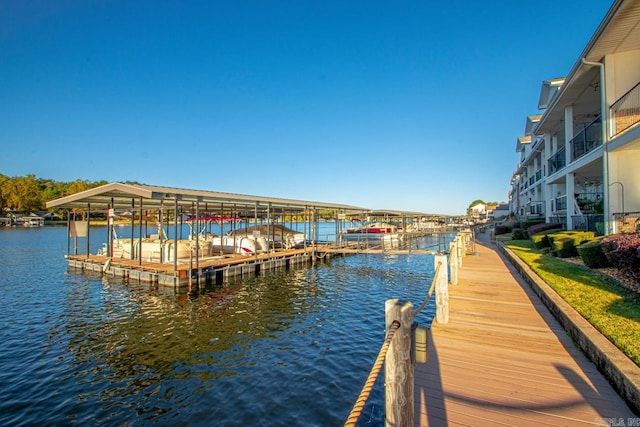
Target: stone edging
619, 370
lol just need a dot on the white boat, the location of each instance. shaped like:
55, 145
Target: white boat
278, 236
238, 244
229, 244
28, 221
150, 249
375, 230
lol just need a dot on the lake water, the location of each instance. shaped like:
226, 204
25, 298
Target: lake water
285, 348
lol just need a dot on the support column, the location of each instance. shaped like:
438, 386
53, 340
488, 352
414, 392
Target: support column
398, 366
568, 133
88, 229
442, 289
571, 200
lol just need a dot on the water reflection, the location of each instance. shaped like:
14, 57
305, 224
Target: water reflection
287, 348
133, 340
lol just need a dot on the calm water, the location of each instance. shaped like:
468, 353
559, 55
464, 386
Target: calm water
286, 348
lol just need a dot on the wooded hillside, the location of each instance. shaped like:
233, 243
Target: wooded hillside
29, 194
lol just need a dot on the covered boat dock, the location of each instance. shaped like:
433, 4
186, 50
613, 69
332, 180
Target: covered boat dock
170, 207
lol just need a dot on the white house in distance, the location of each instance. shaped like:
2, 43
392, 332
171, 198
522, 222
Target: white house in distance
580, 159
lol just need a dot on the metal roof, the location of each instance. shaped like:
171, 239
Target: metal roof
136, 196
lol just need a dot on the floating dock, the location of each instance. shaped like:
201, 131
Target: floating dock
168, 207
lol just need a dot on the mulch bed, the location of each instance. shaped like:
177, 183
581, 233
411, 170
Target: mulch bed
611, 272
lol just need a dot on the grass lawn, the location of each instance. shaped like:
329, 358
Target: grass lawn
613, 309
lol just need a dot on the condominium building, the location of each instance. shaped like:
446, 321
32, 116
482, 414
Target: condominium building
580, 159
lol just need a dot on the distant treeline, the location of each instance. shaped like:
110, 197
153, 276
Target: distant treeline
29, 194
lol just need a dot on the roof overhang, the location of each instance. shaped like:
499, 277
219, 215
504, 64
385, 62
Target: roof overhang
522, 142
531, 123
549, 87
121, 196
580, 88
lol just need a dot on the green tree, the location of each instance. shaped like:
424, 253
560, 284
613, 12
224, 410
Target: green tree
474, 203
29, 193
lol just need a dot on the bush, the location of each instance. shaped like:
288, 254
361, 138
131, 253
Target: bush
564, 247
541, 239
525, 225
592, 254
578, 237
518, 234
502, 229
562, 242
623, 252
538, 228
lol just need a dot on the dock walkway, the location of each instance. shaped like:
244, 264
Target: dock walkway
504, 360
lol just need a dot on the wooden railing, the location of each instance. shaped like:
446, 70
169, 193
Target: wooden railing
406, 342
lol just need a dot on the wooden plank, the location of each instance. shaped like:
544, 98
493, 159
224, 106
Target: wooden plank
504, 360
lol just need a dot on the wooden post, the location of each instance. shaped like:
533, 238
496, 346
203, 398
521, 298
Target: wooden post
398, 366
442, 290
460, 246
454, 262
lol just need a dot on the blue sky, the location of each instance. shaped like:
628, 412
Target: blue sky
409, 105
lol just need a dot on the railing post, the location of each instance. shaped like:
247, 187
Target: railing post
453, 262
398, 367
459, 248
442, 291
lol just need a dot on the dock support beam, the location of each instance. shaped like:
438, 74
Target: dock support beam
398, 366
442, 290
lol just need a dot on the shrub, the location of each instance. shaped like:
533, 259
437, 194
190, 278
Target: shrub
542, 239
502, 229
592, 254
538, 228
525, 225
518, 234
564, 247
578, 237
623, 252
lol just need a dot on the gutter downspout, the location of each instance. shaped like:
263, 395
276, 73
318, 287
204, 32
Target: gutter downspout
605, 141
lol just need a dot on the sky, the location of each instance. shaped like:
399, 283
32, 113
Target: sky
406, 105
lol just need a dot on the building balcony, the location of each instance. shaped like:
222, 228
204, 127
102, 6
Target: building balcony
560, 203
589, 222
587, 140
590, 203
557, 161
625, 112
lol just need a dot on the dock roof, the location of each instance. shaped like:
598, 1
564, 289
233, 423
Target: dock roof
135, 196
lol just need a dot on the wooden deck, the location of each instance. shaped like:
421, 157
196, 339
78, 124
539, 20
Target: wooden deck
503, 359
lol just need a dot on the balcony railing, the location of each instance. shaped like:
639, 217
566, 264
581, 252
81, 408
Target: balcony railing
536, 208
590, 203
557, 161
625, 112
559, 220
587, 140
593, 223
538, 175
560, 203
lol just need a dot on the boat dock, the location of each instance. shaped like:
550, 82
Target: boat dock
217, 269
169, 259
503, 359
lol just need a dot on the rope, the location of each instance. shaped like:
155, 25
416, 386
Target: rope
431, 288
368, 385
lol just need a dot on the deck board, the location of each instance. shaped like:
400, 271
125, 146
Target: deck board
503, 359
